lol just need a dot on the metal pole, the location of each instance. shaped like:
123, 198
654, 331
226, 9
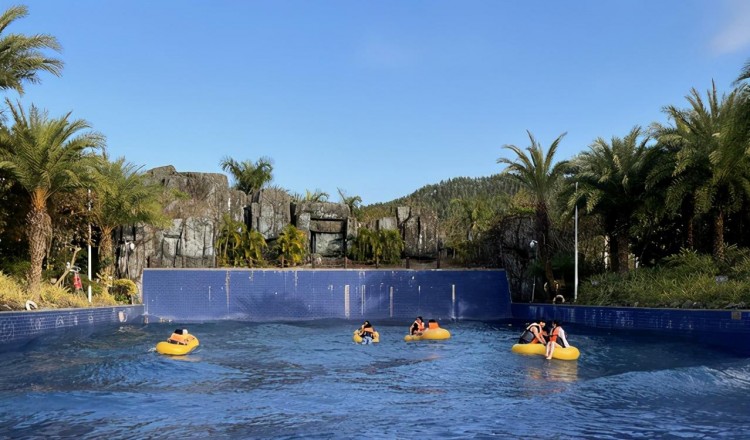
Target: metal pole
533, 288
89, 247
533, 285
575, 282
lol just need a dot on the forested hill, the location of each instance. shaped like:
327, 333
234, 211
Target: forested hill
437, 197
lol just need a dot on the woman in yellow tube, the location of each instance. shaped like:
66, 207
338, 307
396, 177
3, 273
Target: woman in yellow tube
417, 327
557, 333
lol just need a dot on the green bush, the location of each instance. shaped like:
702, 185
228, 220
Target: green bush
124, 291
686, 280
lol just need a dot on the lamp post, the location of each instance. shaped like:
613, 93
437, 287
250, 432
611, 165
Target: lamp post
533, 245
88, 269
575, 282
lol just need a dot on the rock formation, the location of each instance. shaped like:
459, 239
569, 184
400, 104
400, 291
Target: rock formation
202, 199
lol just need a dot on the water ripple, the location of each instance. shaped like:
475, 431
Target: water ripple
292, 380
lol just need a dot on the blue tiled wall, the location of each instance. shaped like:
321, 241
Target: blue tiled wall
723, 328
267, 294
17, 328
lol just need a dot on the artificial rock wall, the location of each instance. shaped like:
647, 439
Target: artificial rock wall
204, 198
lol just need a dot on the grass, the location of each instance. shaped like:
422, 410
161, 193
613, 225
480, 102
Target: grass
13, 297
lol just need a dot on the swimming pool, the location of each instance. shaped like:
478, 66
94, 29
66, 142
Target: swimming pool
308, 379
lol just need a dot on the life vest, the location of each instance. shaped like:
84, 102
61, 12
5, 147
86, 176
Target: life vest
420, 326
433, 325
535, 339
181, 339
554, 334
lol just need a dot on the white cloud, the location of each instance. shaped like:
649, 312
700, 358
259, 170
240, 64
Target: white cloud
735, 34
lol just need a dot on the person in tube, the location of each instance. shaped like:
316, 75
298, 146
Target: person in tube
417, 327
534, 333
367, 332
180, 337
556, 335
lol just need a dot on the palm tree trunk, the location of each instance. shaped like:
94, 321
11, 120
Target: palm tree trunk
39, 229
613, 252
107, 257
719, 235
623, 253
542, 219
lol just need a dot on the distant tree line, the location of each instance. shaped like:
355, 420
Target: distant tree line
643, 196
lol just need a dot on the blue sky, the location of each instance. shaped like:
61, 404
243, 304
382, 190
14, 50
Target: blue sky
378, 98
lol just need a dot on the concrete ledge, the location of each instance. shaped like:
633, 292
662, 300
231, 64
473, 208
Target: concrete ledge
18, 328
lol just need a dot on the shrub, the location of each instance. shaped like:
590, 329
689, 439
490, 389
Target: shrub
124, 291
687, 280
12, 296
54, 297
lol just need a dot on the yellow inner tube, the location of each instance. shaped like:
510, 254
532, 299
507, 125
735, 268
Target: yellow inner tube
165, 347
358, 339
429, 334
563, 353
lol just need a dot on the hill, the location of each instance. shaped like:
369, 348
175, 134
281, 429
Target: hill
437, 197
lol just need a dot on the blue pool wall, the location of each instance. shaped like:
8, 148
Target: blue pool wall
20, 328
188, 295
726, 329
275, 294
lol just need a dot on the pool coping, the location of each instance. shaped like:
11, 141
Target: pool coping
18, 328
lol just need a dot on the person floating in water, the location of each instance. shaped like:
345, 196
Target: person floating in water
180, 337
534, 333
417, 327
556, 334
367, 332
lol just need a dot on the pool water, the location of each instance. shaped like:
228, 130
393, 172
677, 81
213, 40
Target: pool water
309, 380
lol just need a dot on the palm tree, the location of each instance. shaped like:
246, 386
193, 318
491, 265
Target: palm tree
315, 196
711, 165
291, 245
248, 176
46, 156
121, 196
20, 56
353, 202
229, 241
744, 74
361, 249
612, 179
391, 245
537, 173
236, 246
253, 246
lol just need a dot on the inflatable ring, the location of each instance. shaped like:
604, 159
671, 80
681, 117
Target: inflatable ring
563, 353
429, 334
559, 297
171, 349
358, 339
31, 305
